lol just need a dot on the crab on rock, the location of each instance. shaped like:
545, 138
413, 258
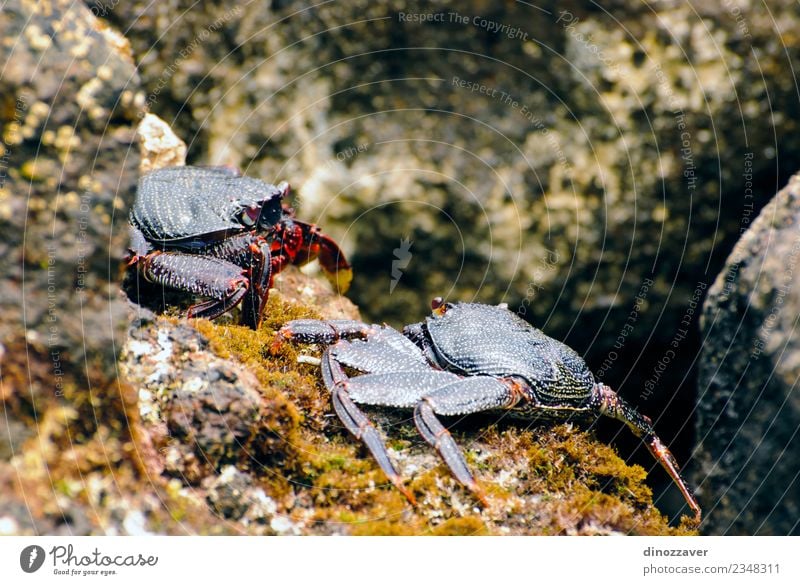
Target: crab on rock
211, 232
465, 358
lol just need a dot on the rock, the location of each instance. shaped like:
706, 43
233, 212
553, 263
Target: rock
71, 103
294, 286
233, 496
70, 99
226, 492
202, 411
159, 147
567, 163
748, 406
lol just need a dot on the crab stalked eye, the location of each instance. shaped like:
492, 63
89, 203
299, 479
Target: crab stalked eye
271, 212
284, 189
440, 307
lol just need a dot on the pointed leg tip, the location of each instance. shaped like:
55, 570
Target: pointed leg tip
698, 517
409, 496
479, 494
282, 336
397, 481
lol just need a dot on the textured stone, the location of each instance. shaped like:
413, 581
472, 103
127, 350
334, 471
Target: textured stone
748, 403
158, 145
583, 164
69, 103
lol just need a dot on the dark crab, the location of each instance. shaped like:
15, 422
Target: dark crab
211, 232
464, 358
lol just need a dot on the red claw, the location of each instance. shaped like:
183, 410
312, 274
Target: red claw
297, 242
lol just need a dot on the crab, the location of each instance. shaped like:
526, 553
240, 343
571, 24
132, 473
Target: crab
211, 232
464, 358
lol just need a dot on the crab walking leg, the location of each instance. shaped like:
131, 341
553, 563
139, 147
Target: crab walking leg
440, 439
252, 253
255, 301
465, 396
612, 405
316, 331
357, 422
224, 282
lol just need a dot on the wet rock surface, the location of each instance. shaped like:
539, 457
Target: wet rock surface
748, 405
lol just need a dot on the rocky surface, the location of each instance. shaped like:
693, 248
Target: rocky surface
70, 99
252, 435
585, 170
586, 165
158, 145
748, 404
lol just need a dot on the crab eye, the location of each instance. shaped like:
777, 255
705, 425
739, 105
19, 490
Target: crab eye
284, 189
440, 307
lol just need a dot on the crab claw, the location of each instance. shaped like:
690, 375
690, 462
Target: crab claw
334, 264
302, 242
612, 405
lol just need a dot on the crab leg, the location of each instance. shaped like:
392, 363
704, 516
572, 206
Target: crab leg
465, 396
252, 253
612, 405
357, 422
224, 282
315, 331
260, 277
440, 439
433, 392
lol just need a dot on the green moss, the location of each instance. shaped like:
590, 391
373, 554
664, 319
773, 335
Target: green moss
382, 528
469, 526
